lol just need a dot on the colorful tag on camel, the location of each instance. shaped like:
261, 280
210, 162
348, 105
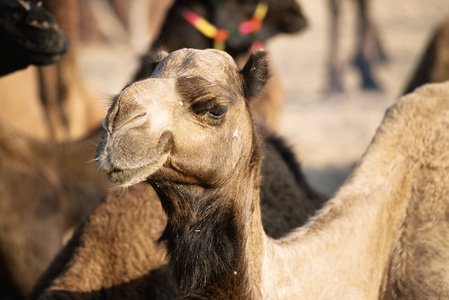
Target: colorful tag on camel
220, 36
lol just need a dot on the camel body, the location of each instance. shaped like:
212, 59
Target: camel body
46, 189
96, 262
286, 199
381, 237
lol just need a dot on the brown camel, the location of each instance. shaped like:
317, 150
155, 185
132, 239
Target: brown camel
96, 262
383, 235
434, 63
282, 17
46, 189
369, 49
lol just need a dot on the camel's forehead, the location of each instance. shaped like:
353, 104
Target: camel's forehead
192, 70
212, 64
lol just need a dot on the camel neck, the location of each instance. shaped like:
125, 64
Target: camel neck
207, 235
218, 248
346, 249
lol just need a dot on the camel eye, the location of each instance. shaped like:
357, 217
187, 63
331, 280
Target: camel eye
217, 111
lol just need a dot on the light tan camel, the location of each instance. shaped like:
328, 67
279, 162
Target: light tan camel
383, 236
97, 261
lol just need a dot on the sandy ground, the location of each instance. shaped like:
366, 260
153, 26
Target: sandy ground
328, 132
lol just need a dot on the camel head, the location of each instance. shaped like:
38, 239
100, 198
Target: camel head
187, 123
236, 20
29, 35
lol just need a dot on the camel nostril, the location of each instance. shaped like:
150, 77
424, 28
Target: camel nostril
129, 120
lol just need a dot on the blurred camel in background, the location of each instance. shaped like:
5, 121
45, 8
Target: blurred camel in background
52, 102
434, 62
236, 27
369, 48
46, 187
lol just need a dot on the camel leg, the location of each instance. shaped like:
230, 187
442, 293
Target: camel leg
71, 108
334, 73
368, 46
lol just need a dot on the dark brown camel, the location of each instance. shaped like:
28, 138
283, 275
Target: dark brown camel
59, 105
434, 63
383, 236
131, 220
29, 35
282, 17
369, 49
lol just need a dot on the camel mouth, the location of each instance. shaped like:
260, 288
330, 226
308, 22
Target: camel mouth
127, 177
125, 168
131, 176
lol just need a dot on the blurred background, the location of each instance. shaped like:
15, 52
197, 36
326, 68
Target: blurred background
328, 131
328, 126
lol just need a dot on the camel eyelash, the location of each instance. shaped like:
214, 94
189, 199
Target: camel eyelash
201, 107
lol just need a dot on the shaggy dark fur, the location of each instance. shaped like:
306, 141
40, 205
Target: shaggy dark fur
287, 200
184, 237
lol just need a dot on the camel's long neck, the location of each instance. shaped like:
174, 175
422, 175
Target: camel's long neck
207, 235
344, 252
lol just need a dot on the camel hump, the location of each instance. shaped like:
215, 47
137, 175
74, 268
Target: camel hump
418, 125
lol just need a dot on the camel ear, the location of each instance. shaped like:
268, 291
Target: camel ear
148, 63
256, 73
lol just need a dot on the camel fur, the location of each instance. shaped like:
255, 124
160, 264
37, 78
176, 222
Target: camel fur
383, 235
